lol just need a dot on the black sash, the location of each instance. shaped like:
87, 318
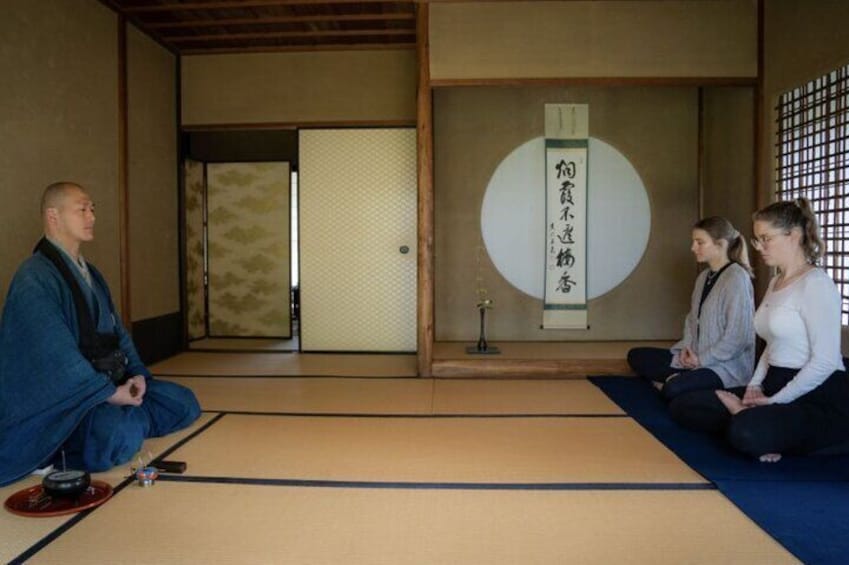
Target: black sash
101, 349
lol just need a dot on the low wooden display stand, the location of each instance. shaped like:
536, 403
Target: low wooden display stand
537, 359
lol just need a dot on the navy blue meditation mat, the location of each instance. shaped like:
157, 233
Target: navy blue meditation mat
803, 502
809, 518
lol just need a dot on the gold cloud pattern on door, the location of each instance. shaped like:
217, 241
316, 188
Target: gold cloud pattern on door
195, 295
248, 249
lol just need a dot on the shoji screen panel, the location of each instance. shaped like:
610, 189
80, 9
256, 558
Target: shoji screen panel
357, 206
194, 206
248, 249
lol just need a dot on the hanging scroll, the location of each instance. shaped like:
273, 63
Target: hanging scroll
566, 153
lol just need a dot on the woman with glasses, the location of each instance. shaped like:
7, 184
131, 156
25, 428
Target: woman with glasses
797, 401
718, 347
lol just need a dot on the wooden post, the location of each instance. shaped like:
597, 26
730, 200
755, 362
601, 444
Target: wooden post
424, 129
763, 191
123, 177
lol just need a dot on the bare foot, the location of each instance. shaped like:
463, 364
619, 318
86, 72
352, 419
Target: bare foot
659, 385
770, 458
731, 401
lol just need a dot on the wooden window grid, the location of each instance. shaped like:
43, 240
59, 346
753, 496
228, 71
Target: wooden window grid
812, 160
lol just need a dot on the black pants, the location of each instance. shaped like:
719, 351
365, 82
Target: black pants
816, 421
655, 364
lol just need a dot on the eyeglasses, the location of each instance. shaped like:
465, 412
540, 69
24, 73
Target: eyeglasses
763, 241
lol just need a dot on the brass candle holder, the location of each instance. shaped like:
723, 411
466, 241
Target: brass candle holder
484, 303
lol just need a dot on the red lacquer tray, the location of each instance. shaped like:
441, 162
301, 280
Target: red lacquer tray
34, 501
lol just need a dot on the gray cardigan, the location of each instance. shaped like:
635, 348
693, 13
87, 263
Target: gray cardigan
724, 336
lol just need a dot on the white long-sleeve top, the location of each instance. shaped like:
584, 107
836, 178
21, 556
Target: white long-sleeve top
801, 326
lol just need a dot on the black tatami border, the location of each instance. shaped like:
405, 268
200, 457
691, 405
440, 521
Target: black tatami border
247, 350
397, 485
298, 376
424, 485
168, 374
412, 415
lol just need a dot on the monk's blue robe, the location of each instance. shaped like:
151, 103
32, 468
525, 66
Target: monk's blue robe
52, 399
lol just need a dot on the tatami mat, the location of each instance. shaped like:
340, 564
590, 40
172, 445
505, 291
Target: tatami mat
464, 450
193, 363
312, 395
219, 523
398, 396
480, 396
422, 471
18, 533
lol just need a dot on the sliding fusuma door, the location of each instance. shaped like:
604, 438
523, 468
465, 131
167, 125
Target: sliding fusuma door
357, 203
195, 188
248, 249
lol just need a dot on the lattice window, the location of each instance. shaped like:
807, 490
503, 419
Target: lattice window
813, 161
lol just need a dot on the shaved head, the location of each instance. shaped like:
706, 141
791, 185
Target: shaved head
55, 194
68, 215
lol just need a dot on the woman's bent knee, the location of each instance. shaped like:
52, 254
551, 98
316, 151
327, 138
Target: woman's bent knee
681, 410
750, 434
699, 410
743, 438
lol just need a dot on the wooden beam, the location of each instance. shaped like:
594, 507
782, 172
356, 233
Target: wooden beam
597, 81
700, 154
297, 48
529, 368
265, 20
287, 35
116, 7
301, 125
425, 197
123, 177
182, 236
763, 194
230, 4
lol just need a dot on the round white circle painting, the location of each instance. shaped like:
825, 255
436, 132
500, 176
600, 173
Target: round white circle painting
513, 218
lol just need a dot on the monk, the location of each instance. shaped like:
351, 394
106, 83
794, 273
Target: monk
71, 381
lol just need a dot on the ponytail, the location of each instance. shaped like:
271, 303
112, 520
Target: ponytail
787, 215
812, 243
738, 252
718, 228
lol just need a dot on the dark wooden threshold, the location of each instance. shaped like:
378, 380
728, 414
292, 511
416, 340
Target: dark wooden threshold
537, 359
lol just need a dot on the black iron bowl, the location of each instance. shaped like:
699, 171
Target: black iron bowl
67, 484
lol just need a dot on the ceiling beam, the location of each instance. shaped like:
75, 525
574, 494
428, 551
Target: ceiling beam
227, 4
298, 48
283, 20
290, 35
